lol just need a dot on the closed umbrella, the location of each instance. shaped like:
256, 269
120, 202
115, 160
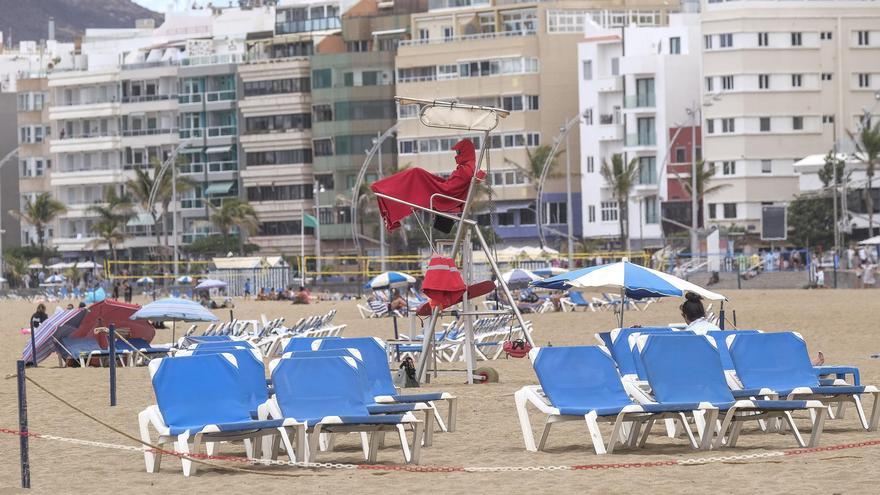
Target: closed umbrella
390, 280
210, 283
174, 309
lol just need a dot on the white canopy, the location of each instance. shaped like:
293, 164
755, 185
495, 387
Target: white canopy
871, 241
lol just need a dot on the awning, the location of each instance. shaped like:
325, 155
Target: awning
140, 220
219, 188
218, 149
389, 32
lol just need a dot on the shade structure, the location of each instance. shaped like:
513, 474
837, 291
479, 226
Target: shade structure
145, 280
103, 313
390, 280
173, 308
635, 281
519, 278
211, 283
186, 279
549, 271
61, 324
55, 279
871, 241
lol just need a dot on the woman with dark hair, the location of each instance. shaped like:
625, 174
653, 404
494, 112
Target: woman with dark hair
694, 315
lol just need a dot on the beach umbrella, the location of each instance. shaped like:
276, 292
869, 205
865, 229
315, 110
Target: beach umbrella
871, 241
186, 279
210, 283
57, 326
551, 271
55, 279
519, 278
632, 281
390, 279
174, 309
145, 280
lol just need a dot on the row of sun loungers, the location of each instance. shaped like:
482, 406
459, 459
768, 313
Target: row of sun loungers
716, 382
218, 392
489, 337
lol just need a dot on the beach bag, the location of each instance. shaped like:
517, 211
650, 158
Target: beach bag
518, 348
405, 377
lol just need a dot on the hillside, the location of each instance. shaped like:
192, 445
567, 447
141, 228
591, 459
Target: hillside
29, 19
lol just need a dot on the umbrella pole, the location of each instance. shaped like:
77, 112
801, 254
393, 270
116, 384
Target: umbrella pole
721, 315
622, 305
173, 325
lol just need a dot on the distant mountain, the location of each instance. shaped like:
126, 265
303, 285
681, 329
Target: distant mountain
29, 19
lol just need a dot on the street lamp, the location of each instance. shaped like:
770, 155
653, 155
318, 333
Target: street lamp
318, 189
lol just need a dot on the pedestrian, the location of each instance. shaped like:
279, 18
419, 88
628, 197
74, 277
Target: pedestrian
247, 289
38, 317
127, 290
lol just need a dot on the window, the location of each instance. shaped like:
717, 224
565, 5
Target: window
863, 38
591, 213
588, 116
675, 45
646, 131
407, 111
588, 70
763, 39
825, 35
608, 210
797, 80
424, 34
707, 42
796, 39
284, 227
278, 157
645, 92
826, 76
322, 113
763, 81
447, 33
532, 102
727, 125
615, 66
712, 213
647, 170
357, 46
765, 124
727, 83
527, 217
370, 78
278, 123
709, 84
725, 40
710, 126
591, 165
505, 218
797, 123
323, 147
557, 213
766, 167
699, 151
512, 103
652, 210
864, 80
828, 119
325, 181
348, 79
680, 155
729, 210
322, 78
728, 168
363, 110
280, 193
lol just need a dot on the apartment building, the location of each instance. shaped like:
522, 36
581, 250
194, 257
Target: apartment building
785, 79
636, 88
518, 56
352, 104
34, 158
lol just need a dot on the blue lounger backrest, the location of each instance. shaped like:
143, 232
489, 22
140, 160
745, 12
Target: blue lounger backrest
637, 357
223, 344
779, 361
720, 338
209, 338
375, 361
579, 377
620, 350
578, 298
315, 387
251, 371
683, 369
302, 343
76, 346
199, 390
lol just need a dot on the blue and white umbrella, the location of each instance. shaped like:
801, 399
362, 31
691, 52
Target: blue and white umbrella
634, 281
145, 280
550, 271
57, 326
55, 279
175, 309
186, 279
211, 283
390, 279
519, 278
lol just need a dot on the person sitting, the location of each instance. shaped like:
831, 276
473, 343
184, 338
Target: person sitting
302, 296
694, 315
262, 294
272, 295
398, 303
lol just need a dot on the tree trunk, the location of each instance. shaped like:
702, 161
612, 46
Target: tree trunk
620, 212
869, 203
42, 242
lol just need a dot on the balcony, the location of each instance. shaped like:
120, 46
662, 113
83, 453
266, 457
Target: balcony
640, 140
225, 58
210, 96
308, 25
468, 37
85, 142
148, 132
213, 167
608, 132
147, 98
217, 131
336, 231
639, 101
608, 85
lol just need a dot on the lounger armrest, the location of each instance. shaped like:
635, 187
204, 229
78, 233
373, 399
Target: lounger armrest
839, 371
752, 392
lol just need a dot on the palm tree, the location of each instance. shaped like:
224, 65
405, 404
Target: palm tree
534, 167
113, 215
621, 177
142, 186
868, 147
705, 175
234, 212
39, 213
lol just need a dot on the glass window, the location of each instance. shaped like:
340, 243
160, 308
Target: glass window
765, 124
323, 147
588, 70
322, 78
766, 167
675, 45
652, 210
729, 210
647, 170
527, 217
608, 210
797, 123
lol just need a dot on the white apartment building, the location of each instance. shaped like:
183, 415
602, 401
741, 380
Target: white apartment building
786, 80
634, 92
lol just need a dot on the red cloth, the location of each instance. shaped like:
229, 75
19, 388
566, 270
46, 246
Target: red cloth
416, 186
443, 283
103, 313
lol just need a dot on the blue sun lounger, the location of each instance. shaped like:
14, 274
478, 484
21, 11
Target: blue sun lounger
778, 364
688, 369
582, 384
326, 395
202, 399
378, 374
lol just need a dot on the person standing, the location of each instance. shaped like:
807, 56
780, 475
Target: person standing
247, 289
127, 290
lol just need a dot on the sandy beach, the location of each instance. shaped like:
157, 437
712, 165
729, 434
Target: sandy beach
841, 323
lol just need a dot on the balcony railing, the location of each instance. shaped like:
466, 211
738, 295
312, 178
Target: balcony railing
228, 130
86, 101
633, 140
608, 119
213, 167
640, 101
468, 37
148, 132
63, 135
304, 26
225, 58
210, 96
146, 98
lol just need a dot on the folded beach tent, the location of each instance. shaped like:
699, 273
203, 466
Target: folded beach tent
378, 374
201, 399
687, 368
582, 383
779, 364
325, 394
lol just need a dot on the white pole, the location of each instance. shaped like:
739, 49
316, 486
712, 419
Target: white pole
302, 246
695, 243
382, 262
469, 358
569, 205
317, 229
176, 204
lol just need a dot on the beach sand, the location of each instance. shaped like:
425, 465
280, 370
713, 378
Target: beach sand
842, 324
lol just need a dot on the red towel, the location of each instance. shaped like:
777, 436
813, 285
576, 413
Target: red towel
416, 186
443, 283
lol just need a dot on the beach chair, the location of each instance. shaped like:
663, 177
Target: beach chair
687, 368
86, 350
326, 394
779, 364
203, 398
141, 350
581, 383
374, 309
378, 374
576, 300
